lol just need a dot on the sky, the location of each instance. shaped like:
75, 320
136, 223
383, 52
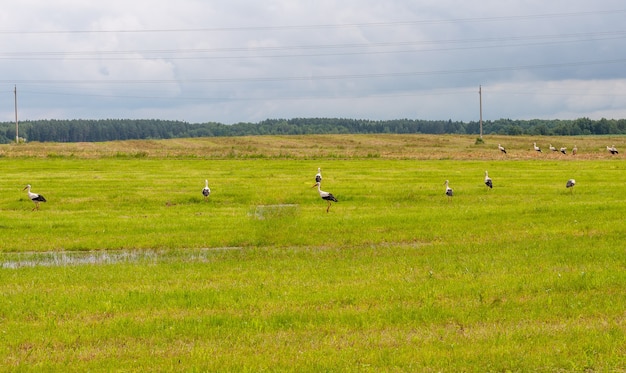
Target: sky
247, 60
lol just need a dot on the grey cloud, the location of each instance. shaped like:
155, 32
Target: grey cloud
246, 60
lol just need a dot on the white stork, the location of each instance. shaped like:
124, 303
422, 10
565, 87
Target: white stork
563, 150
552, 148
36, 198
612, 149
325, 195
501, 148
206, 191
449, 192
574, 150
488, 181
570, 184
536, 147
318, 176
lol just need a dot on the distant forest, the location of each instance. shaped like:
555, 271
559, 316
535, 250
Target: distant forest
83, 130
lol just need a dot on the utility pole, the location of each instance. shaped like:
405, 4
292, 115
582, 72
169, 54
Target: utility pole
480, 97
17, 136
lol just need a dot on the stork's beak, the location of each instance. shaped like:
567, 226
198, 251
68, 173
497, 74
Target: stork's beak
25, 188
314, 185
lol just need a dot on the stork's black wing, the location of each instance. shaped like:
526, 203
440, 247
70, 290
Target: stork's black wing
39, 198
330, 197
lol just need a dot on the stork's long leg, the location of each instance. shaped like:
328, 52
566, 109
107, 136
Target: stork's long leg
327, 208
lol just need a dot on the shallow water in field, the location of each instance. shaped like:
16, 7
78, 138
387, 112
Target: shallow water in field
101, 257
263, 212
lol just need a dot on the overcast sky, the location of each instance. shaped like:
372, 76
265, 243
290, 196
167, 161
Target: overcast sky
249, 60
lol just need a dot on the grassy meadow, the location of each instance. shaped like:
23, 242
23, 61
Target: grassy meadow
128, 268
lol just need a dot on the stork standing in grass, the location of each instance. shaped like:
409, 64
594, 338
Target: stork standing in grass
501, 148
552, 148
36, 198
574, 150
449, 192
537, 149
325, 195
488, 181
563, 150
612, 149
570, 184
318, 176
206, 191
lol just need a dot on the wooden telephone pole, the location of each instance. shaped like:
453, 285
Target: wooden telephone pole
17, 136
480, 97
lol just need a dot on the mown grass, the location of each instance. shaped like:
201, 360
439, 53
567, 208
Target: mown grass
128, 268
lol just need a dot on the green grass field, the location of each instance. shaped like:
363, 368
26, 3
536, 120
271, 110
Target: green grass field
128, 268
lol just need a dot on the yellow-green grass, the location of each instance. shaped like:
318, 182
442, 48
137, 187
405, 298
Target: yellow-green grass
127, 268
325, 147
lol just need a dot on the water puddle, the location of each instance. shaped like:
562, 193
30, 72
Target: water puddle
262, 212
101, 257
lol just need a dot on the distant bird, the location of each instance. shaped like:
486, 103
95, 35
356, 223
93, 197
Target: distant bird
536, 147
552, 148
36, 198
570, 184
563, 150
501, 148
206, 191
325, 195
574, 150
488, 182
612, 149
318, 176
449, 192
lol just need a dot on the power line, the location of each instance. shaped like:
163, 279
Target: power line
298, 97
318, 77
325, 26
264, 98
131, 54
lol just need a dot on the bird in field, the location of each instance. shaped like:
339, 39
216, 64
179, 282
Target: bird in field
570, 184
318, 176
36, 198
563, 150
501, 148
449, 192
537, 149
612, 149
552, 148
574, 150
206, 191
325, 195
488, 181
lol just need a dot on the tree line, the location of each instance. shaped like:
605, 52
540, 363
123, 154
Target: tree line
83, 130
